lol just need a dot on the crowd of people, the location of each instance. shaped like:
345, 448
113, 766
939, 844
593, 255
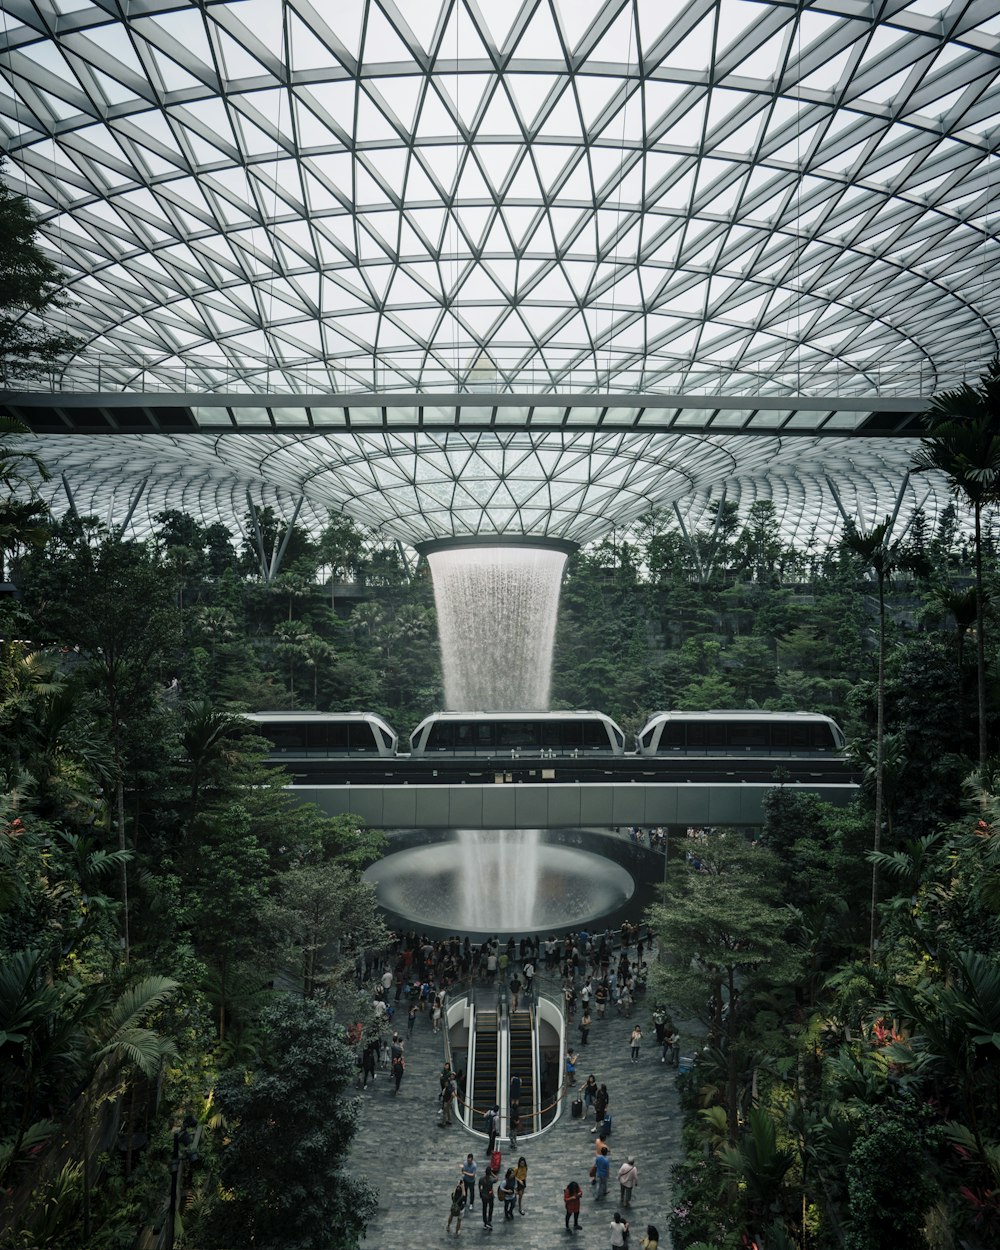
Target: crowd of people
594, 974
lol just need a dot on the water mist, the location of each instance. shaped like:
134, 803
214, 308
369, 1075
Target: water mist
497, 609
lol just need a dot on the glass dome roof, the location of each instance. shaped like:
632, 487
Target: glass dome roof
595, 193
605, 197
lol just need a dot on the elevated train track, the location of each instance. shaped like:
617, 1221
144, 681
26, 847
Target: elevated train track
536, 770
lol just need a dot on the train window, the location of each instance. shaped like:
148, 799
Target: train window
796, 736
595, 736
386, 737
473, 736
284, 737
329, 738
618, 735
572, 734
441, 736
706, 735
647, 737
822, 738
363, 737
552, 734
518, 734
748, 736
673, 737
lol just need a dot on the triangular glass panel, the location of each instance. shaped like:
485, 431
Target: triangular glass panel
382, 43
619, 44
540, 38
500, 118
694, 51
372, 124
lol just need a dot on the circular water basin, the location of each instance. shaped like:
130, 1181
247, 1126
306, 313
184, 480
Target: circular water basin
499, 881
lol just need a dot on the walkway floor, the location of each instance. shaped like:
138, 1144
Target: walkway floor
415, 1163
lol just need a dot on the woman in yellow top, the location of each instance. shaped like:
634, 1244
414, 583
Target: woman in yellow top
652, 1239
521, 1177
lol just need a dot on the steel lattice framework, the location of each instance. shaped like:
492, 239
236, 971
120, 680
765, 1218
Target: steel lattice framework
588, 197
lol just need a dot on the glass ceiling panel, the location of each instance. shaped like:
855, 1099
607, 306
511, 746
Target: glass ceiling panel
604, 198
593, 163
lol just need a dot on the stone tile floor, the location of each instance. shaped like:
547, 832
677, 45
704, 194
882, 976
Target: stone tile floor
415, 1164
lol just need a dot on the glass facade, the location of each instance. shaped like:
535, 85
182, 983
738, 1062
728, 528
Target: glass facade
437, 202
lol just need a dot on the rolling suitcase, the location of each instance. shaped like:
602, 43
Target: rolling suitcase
576, 1108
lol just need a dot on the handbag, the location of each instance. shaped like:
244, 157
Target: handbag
593, 1172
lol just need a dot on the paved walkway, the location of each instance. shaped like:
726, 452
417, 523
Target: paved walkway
415, 1164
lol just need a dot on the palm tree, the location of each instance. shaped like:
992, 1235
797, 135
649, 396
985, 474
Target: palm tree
60, 1036
963, 443
878, 554
207, 738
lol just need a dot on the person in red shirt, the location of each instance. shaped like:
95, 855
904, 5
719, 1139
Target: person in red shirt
571, 1198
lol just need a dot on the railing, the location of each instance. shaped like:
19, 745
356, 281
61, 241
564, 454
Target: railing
599, 374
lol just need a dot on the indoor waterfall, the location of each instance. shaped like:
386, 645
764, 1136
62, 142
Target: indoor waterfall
496, 609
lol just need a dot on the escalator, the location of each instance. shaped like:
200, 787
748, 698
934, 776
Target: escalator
522, 1064
486, 1066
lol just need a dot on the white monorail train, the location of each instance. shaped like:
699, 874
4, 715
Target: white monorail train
545, 734
740, 733
325, 735
337, 735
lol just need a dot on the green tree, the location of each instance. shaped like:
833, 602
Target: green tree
320, 914
724, 928
30, 287
110, 603
889, 1188
284, 1184
883, 556
963, 443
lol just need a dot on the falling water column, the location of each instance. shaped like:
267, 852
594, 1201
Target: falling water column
497, 607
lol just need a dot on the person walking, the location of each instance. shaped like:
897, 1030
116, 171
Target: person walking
571, 1200
447, 1101
571, 1058
634, 1042
589, 1094
660, 1024
486, 1198
508, 1192
513, 1123
457, 1208
628, 1178
652, 1239
368, 1064
585, 1023
492, 1127
673, 1048
398, 1068
602, 1169
601, 1100
469, 1169
619, 1232
521, 1176
411, 1019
